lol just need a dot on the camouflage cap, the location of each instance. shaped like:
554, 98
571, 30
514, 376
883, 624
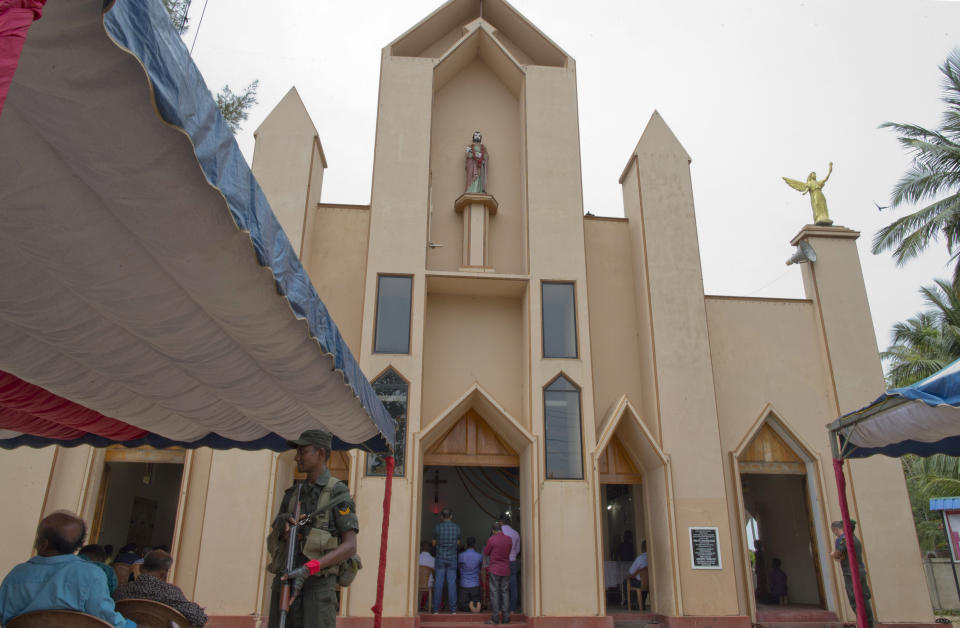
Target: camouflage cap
320, 438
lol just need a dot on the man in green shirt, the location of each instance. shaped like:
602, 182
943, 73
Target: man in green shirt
316, 604
840, 554
97, 555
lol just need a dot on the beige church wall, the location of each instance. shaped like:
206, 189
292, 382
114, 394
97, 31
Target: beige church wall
288, 163
556, 241
186, 548
399, 589
515, 51
335, 256
443, 44
647, 379
613, 321
31, 468
67, 489
398, 226
835, 284
568, 556
679, 338
475, 99
767, 355
472, 339
233, 539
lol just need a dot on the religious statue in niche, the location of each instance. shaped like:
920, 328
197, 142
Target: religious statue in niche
477, 159
817, 200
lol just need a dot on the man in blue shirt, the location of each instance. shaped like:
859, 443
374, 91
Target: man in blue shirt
446, 535
56, 579
470, 561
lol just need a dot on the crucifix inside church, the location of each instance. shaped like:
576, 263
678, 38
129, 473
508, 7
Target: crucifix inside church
436, 481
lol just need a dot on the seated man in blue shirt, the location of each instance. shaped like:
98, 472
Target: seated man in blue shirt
56, 579
470, 561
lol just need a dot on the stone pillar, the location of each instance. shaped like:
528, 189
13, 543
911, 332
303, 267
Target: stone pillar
877, 490
477, 210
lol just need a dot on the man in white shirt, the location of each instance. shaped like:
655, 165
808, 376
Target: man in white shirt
427, 560
638, 575
507, 529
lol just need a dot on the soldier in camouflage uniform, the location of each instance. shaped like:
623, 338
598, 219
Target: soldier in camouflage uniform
316, 604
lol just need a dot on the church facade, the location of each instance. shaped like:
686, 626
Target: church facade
566, 368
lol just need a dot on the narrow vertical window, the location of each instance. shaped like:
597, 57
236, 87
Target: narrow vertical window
561, 415
391, 389
559, 320
393, 314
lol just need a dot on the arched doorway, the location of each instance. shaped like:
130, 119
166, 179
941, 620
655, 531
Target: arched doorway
476, 460
786, 545
634, 487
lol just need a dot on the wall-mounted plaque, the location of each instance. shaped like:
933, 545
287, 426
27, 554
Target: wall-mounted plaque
705, 548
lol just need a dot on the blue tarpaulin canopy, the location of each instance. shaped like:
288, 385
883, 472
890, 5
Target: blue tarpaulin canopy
145, 280
922, 419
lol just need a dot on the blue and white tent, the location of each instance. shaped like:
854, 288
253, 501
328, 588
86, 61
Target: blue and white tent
148, 295
921, 419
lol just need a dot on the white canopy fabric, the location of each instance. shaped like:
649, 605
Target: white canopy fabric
142, 274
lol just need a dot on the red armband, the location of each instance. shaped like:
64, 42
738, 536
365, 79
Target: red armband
313, 566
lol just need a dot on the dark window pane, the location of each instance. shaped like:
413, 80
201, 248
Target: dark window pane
559, 321
391, 389
561, 413
393, 315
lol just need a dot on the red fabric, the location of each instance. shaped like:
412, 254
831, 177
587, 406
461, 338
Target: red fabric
16, 16
498, 548
848, 536
32, 410
313, 566
29, 424
377, 607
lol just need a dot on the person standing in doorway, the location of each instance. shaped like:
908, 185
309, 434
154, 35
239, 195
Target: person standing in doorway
446, 536
498, 549
840, 554
514, 537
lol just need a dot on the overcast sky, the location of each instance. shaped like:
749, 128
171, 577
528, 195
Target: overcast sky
753, 90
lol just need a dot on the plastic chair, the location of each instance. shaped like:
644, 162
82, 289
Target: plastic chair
423, 586
151, 614
56, 619
643, 588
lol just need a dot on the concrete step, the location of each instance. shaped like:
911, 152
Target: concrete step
446, 620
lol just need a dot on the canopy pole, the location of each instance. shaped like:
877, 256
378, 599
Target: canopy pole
848, 537
377, 608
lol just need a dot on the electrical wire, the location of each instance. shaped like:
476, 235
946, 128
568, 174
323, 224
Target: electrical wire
493, 485
467, 488
199, 24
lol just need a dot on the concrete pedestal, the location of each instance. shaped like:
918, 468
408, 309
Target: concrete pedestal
477, 210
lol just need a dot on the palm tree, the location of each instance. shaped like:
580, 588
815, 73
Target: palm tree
934, 175
922, 346
929, 341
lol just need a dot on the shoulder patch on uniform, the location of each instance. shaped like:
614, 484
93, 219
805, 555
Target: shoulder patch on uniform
345, 510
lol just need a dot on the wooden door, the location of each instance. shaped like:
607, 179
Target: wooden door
143, 519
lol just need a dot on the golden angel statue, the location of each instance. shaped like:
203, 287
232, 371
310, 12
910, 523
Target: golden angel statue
817, 200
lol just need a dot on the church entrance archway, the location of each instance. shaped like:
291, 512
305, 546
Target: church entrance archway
634, 496
476, 460
785, 539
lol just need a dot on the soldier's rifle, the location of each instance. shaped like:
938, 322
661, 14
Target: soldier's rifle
285, 597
